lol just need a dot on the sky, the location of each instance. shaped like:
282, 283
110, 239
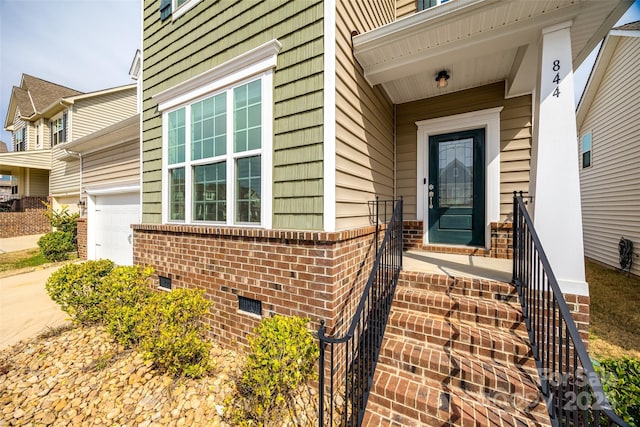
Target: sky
88, 45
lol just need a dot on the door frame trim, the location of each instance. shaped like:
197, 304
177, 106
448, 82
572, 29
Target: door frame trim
489, 120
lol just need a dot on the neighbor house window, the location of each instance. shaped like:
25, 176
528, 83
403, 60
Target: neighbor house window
426, 4
586, 150
20, 138
59, 129
217, 142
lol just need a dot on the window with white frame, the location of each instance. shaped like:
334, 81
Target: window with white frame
175, 8
217, 142
214, 157
58, 128
427, 4
585, 150
20, 138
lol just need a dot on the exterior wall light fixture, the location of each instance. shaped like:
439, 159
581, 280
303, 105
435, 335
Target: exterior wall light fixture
442, 79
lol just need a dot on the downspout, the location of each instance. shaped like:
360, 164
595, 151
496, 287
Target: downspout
395, 154
77, 154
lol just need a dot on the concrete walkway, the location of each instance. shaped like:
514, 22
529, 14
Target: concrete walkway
25, 307
20, 243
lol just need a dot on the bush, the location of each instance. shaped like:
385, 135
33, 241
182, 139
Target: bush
282, 357
173, 335
57, 245
62, 220
126, 293
75, 287
621, 382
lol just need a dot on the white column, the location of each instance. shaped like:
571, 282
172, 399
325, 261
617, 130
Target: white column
555, 181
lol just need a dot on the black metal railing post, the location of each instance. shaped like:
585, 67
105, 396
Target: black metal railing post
353, 357
568, 382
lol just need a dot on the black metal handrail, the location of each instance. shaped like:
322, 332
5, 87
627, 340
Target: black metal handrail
571, 387
352, 358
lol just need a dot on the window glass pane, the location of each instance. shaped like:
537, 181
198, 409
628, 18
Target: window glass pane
208, 120
176, 193
248, 187
176, 136
586, 142
210, 192
248, 116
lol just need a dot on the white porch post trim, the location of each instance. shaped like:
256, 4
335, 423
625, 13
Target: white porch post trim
555, 182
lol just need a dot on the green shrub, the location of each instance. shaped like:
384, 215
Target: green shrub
75, 287
621, 382
56, 245
126, 293
63, 220
173, 335
282, 357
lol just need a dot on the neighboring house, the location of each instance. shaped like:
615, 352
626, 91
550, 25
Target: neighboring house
110, 177
269, 127
609, 144
43, 117
27, 119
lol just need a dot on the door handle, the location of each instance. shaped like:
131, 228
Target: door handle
431, 194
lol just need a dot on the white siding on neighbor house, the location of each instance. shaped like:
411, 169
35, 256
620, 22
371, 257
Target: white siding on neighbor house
115, 165
610, 187
94, 113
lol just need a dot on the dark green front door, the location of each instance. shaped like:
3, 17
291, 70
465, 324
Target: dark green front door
456, 188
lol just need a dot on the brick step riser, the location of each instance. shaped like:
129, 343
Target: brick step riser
412, 400
461, 375
476, 288
488, 348
496, 315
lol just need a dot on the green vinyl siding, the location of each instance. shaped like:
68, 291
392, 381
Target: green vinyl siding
214, 32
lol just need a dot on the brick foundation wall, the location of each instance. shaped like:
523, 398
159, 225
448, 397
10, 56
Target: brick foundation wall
82, 238
579, 306
31, 221
501, 241
310, 274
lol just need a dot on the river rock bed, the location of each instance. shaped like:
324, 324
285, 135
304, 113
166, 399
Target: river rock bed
80, 377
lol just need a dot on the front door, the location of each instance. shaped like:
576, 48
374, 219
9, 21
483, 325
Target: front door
456, 188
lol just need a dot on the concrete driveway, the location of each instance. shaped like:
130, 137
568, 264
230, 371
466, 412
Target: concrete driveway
25, 307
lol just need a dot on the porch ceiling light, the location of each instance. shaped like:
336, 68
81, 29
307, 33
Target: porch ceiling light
442, 79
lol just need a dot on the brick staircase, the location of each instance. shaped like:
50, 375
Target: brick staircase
455, 352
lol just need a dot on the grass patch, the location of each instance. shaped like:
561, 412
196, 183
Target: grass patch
614, 312
21, 259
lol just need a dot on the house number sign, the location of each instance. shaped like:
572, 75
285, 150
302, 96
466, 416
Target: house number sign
556, 79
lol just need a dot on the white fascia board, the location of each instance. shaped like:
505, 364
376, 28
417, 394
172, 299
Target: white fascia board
255, 61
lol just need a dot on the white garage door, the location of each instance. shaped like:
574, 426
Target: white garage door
114, 214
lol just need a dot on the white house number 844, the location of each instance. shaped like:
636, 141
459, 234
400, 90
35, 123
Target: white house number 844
556, 79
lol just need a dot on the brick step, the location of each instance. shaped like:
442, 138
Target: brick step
481, 311
489, 343
403, 399
463, 286
458, 369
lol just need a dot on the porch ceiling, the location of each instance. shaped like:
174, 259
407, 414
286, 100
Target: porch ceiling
11, 163
478, 42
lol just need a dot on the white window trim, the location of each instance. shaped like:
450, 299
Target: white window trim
255, 64
178, 11
488, 119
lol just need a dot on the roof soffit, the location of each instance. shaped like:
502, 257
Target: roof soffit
496, 40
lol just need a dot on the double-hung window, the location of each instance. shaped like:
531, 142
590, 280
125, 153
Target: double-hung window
217, 146
59, 129
20, 137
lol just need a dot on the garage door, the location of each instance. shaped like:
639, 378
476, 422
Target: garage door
114, 214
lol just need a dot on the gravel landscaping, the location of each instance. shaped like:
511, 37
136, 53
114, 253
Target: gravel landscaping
80, 377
